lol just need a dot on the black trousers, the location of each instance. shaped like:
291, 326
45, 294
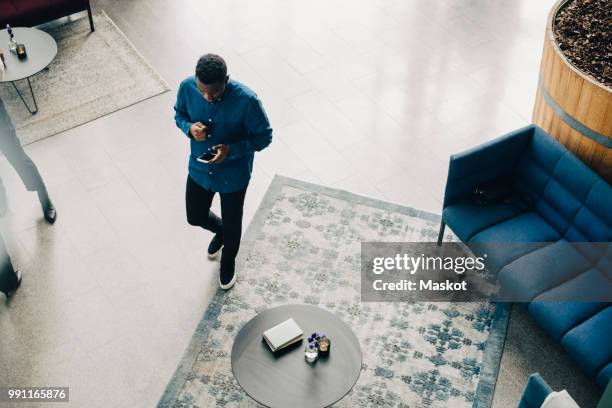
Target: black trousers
198, 201
8, 278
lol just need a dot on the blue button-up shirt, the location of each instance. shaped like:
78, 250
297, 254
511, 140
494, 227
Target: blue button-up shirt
238, 120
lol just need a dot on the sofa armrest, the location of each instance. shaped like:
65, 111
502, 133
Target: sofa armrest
489, 161
606, 398
535, 392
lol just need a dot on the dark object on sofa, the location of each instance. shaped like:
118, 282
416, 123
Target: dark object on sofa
532, 249
28, 13
491, 193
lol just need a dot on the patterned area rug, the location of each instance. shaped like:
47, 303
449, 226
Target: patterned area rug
92, 75
303, 246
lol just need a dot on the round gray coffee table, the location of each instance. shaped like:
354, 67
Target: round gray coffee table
41, 49
285, 379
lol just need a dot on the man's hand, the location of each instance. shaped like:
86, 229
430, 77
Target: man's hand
222, 152
199, 131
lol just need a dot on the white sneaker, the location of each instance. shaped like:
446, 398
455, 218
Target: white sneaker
227, 285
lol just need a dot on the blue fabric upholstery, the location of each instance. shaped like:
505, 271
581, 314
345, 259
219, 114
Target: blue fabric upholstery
605, 262
590, 343
554, 198
541, 270
605, 376
528, 229
489, 161
598, 202
565, 192
535, 392
480, 217
557, 317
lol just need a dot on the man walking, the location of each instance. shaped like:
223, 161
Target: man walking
227, 124
10, 279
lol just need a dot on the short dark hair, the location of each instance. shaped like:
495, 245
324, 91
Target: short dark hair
211, 68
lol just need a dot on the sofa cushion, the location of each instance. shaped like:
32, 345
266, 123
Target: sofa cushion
557, 206
589, 343
536, 272
588, 227
598, 201
604, 264
560, 309
545, 151
574, 202
537, 164
565, 192
593, 222
528, 229
604, 376
466, 218
574, 175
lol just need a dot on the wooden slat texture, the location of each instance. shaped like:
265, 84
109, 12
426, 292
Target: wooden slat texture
581, 97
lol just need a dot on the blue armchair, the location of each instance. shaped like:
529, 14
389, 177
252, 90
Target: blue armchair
535, 392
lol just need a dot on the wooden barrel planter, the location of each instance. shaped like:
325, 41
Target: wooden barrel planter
573, 106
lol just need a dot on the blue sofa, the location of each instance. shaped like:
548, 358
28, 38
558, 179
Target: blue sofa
552, 200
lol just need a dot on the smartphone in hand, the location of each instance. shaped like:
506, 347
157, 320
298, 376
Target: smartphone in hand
206, 157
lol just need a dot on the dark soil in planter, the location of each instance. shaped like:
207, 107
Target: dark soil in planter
583, 30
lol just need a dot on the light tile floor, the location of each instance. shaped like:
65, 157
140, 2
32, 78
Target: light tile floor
368, 96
